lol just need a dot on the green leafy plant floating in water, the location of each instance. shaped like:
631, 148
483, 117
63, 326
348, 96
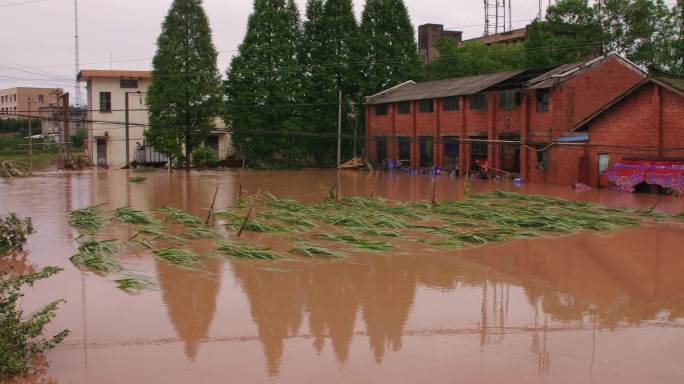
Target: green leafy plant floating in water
180, 258
133, 283
315, 251
133, 216
89, 219
137, 180
14, 232
20, 335
179, 216
97, 256
245, 251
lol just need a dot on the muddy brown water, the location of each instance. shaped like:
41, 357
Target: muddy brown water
594, 307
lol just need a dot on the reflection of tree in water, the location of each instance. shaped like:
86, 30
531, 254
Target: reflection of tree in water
190, 298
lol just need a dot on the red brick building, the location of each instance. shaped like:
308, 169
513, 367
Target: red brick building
452, 123
643, 124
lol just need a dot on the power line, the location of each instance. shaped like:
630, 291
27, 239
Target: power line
21, 3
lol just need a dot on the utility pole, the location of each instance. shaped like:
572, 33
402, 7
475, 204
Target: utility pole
30, 133
339, 130
128, 156
67, 134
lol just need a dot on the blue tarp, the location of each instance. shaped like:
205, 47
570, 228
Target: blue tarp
574, 139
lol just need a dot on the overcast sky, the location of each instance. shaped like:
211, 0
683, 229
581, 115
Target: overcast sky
38, 35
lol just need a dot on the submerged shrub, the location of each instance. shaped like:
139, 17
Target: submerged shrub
14, 232
205, 157
133, 216
97, 256
20, 335
89, 219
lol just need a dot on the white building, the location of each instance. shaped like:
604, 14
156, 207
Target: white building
107, 94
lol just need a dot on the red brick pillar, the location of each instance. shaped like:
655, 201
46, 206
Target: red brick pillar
369, 134
492, 149
524, 129
463, 152
393, 144
415, 145
437, 145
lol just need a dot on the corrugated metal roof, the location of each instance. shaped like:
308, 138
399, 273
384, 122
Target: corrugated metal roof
90, 73
441, 88
549, 79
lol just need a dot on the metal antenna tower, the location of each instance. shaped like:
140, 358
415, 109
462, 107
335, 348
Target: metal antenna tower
497, 16
77, 59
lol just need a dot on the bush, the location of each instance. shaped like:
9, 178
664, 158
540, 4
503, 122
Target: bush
72, 162
78, 137
204, 157
20, 335
14, 232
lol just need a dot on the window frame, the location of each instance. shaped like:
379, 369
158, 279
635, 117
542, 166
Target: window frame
448, 107
404, 141
402, 111
105, 106
543, 105
510, 100
128, 83
478, 102
381, 140
424, 104
381, 109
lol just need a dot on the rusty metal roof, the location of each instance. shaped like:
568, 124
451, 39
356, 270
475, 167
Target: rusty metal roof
559, 74
87, 74
440, 88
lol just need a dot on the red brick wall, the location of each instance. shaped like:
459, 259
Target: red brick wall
673, 123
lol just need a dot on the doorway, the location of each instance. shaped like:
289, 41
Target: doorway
102, 152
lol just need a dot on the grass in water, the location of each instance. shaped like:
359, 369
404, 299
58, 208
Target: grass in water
180, 258
137, 180
179, 216
133, 216
315, 251
245, 251
200, 233
133, 283
373, 245
97, 256
88, 219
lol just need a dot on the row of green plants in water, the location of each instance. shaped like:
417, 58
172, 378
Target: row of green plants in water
335, 227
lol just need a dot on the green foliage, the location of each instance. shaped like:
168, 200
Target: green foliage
97, 256
133, 216
20, 335
184, 96
134, 283
19, 125
245, 251
263, 82
309, 250
89, 219
205, 157
180, 258
390, 50
137, 179
179, 216
475, 58
78, 137
14, 232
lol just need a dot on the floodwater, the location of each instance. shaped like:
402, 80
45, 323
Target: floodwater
587, 308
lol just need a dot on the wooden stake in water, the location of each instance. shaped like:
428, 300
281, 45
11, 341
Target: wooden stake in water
244, 223
210, 215
434, 192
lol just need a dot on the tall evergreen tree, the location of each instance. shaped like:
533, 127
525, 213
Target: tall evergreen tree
390, 48
333, 60
184, 96
264, 82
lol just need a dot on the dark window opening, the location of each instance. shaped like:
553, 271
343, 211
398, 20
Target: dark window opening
509, 99
510, 154
425, 106
450, 104
426, 153
542, 157
478, 150
542, 100
404, 150
381, 148
105, 101
381, 110
450, 151
403, 108
128, 83
478, 102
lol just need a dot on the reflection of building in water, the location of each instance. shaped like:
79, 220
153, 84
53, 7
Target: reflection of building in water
190, 298
588, 283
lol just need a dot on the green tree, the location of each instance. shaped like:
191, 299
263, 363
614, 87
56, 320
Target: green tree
333, 61
571, 32
665, 50
184, 96
474, 58
390, 49
264, 82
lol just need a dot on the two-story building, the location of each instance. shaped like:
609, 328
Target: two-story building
20, 102
114, 94
508, 118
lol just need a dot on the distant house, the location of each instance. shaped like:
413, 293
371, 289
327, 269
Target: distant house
107, 94
455, 123
19, 102
430, 34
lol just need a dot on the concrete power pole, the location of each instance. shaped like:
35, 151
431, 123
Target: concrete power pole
30, 133
67, 134
339, 130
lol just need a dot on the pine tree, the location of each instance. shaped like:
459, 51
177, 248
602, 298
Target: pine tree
184, 96
389, 47
333, 59
264, 82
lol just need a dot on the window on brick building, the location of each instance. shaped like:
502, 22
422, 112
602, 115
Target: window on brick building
603, 162
426, 152
542, 100
404, 144
381, 110
425, 106
542, 157
381, 148
450, 104
450, 151
403, 107
509, 99
105, 101
478, 102
128, 83
41, 98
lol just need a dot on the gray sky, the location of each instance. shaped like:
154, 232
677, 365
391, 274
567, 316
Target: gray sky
37, 35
